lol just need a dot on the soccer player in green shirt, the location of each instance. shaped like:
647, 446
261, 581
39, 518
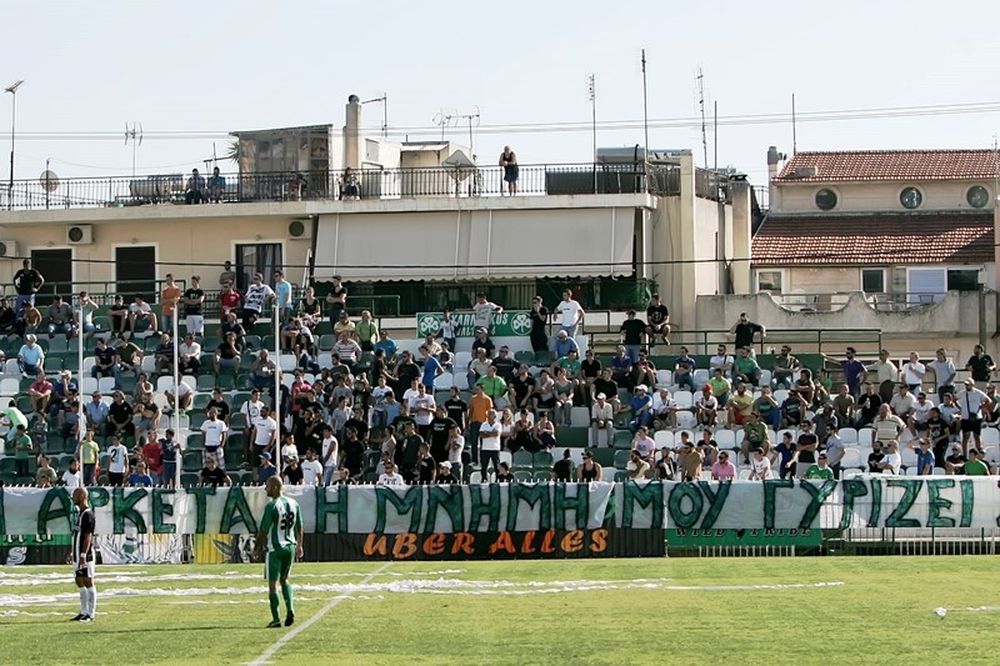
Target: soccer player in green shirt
820, 470
281, 534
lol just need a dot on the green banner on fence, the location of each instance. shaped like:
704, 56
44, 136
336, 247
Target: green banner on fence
509, 323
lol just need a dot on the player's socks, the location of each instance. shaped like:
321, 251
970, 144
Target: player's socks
92, 601
273, 598
286, 592
84, 600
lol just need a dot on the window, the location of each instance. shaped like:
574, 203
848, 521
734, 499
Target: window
769, 281
57, 267
977, 196
911, 198
135, 272
873, 280
963, 279
262, 258
826, 199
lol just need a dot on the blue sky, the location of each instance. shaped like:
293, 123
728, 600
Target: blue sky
225, 65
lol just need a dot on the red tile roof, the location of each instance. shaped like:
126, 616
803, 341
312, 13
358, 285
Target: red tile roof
874, 239
869, 165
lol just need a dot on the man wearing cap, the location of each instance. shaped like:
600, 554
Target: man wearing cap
602, 420
563, 344
740, 406
641, 406
689, 461
926, 460
444, 475
664, 409
266, 468
971, 402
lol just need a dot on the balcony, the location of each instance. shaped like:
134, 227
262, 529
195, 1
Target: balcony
368, 184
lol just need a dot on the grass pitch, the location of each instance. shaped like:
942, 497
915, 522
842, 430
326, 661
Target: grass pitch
809, 610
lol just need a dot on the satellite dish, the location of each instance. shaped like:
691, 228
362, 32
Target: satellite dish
49, 180
461, 164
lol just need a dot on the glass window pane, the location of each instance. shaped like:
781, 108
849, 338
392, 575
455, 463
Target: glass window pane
873, 281
963, 280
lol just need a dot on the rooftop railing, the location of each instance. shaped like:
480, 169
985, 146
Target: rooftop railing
361, 184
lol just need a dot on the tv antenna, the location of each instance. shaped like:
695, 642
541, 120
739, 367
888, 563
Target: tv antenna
701, 106
384, 99
133, 134
455, 119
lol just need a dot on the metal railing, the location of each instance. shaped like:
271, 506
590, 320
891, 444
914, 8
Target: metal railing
803, 340
832, 301
368, 183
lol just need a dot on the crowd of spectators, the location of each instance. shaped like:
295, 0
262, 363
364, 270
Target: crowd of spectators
351, 406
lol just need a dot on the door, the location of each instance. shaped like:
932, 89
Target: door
262, 258
56, 266
135, 272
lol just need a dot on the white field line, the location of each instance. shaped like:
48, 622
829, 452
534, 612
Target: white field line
299, 628
29, 580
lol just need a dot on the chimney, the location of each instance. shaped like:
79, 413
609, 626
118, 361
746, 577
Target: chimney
352, 133
774, 158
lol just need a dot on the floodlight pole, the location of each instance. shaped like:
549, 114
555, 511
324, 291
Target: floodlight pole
12, 89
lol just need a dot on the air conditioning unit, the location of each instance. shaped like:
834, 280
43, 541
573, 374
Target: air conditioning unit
300, 228
8, 249
80, 234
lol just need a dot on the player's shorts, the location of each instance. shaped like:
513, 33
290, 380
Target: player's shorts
83, 569
278, 563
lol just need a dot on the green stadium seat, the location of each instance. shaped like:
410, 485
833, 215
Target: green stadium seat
226, 381
192, 461
234, 457
542, 459
542, 476
237, 420
572, 437
525, 357
201, 400
195, 419
623, 439
621, 477
253, 341
522, 460
196, 441
622, 457
244, 381
326, 342
524, 476
188, 480
206, 383
235, 442
7, 465
58, 344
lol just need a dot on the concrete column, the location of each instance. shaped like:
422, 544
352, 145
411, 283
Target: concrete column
683, 281
740, 193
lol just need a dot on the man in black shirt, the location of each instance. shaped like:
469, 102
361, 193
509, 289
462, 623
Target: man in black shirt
745, 330
523, 388
875, 457
406, 372
938, 435
292, 473
631, 331
120, 416
219, 404
194, 298
456, 408
658, 317
213, 475
539, 323
27, 282
440, 428
604, 384
980, 365
359, 423
564, 469
352, 454
104, 355
426, 466
408, 452
505, 364
868, 404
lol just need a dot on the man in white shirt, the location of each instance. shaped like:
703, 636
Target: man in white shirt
117, 462
265, 430
664, 409
912, 374
189, 356
72, 478
760, 466
903, 402
892, 461
483, 311
971, 402
456, 445
215, 431
944, 374
390, 477
329, 454
312, 469
722, 361
602, 419
289, 451
180, 399
887, 375
252, 407
422, 408
257, 296
570, 314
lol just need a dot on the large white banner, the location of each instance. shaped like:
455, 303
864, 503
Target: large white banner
876, 501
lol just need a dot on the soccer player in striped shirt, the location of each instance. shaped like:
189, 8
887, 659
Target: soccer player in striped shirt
281, 535
82, 555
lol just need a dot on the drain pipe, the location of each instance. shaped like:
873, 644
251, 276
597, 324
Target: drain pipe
982, 314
